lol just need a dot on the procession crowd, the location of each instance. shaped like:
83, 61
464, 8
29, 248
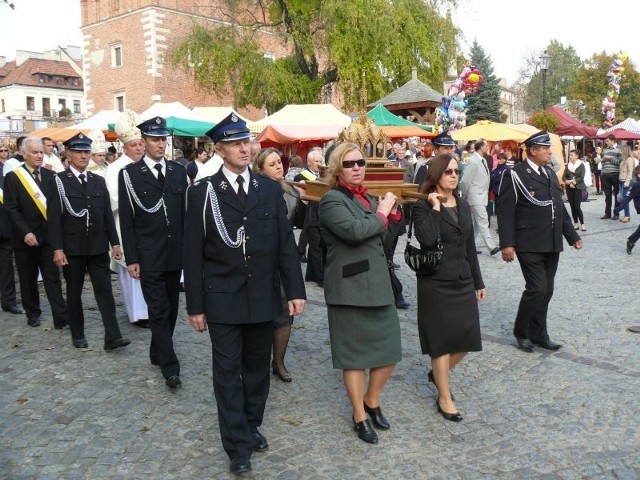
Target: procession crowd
222, 232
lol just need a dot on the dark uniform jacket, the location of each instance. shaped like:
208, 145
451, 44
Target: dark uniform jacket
22, 211
459, 257
73, 234
240, 285
5, 223
526, 226
152, 239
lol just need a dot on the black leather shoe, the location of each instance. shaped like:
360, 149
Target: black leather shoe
240, 465
60, 326
495, 250
173, 382
80, 343
34, 322
378, 418
629, 246
605, 217
260, 443
12, 309
402, 304
366, 433
143, 323
615, 217
453, 417
525, 344
117, 343
433, 380
549, 345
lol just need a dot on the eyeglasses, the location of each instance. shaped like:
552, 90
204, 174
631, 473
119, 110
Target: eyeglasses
361, 162
451, 171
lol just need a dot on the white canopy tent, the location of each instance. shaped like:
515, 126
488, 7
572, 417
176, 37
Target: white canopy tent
173, 109
309, 115
100, 120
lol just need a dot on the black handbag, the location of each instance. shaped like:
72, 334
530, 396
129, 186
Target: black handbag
422, 260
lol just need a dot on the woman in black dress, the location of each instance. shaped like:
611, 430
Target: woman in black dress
448, 316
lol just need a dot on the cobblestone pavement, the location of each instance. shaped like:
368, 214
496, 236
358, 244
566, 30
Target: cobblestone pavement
67, 414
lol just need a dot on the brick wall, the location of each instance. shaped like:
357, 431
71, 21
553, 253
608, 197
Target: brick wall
146, 37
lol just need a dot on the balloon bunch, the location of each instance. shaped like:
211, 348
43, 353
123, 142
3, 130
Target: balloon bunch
615, 76
452, 113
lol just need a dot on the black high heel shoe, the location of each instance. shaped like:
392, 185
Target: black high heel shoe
366, 433
285, 376
378, 418
453, 417
433, 380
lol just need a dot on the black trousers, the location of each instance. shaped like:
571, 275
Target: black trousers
7, 277
28, 261
539, 271
574, 196
315, 267
610, 189
98, 267
161, 291
240, 358
597, 180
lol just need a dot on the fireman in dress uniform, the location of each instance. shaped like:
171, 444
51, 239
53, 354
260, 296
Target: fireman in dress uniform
239, 245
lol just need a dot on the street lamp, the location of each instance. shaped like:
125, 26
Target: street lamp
544, 66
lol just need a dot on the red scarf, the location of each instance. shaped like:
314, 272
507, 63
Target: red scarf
359, 191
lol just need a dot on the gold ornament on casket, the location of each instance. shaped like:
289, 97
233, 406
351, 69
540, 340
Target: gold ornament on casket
381, 175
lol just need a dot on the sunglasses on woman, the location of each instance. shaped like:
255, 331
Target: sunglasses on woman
451, 171
361, 162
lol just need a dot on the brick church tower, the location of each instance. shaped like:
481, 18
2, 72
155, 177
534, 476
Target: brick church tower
126, 48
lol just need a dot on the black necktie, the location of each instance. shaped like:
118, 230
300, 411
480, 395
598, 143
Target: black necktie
36, 176
158, 167
242, 195
83, 181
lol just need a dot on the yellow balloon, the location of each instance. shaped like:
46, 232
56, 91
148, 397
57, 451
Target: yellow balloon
473, 78
624, 57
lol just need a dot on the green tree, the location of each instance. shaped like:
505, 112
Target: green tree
591, 87
332, 42
485, 103
562, 73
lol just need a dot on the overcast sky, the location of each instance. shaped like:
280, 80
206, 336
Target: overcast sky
44, 24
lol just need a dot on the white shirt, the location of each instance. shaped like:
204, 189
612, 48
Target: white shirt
77, 173
536, 168
152, 166
232, 177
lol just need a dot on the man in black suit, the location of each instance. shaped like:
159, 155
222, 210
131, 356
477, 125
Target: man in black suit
532, 220
26, 206
7, 280
81, 227
151, 194
234, 262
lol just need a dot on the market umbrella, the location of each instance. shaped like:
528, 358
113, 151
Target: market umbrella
491, 131
620, 134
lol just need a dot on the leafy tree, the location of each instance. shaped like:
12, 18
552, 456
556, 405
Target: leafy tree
544, 120
485, 103
562, 73
332, 44
591, 87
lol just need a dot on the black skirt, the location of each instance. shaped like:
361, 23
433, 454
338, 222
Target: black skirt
448, 317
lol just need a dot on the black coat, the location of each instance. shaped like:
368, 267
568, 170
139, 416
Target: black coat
23, 213
526, 226
459, 258
5, 223
230, 285
72, 234
152, 239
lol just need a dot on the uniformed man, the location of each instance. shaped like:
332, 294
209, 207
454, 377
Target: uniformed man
132, 151
532, 220
234, 262
81, 227
442, 143
151, 194
26, 205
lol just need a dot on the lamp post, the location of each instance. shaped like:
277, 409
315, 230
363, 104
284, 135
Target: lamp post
544, 66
